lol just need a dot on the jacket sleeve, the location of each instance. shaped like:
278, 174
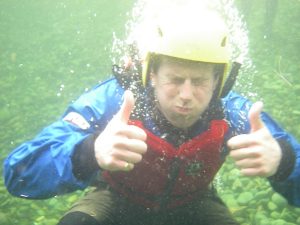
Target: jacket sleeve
42, 167
287, 179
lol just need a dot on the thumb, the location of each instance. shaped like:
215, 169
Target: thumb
254, 116
126, 107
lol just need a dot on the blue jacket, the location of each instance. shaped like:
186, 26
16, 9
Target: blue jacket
42, 168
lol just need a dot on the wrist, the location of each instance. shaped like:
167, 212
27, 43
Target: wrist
83, 160
287, 162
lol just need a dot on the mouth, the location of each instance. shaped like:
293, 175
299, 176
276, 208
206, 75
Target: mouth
183, 110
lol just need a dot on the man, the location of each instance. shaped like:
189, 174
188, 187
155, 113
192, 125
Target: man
153, 159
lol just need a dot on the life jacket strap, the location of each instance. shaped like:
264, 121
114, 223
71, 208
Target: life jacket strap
231, 78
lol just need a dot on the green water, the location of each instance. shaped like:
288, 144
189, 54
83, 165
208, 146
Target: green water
52, 51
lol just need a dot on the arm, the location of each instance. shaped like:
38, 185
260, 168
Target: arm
261, 147
43, 167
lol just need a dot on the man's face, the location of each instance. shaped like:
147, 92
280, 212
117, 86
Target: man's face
183, 90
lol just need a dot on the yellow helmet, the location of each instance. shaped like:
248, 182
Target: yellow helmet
204, 40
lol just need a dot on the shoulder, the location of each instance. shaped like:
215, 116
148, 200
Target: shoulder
236, 108
108, 90
236, 101
100, 103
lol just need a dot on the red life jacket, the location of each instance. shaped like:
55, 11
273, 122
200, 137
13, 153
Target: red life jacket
169, 176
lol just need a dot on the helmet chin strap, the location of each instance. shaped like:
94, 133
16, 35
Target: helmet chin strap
231, 79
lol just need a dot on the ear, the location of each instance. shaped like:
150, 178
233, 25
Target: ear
152, 78
216, 82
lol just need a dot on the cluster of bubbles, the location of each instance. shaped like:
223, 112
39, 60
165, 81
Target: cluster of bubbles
146, 15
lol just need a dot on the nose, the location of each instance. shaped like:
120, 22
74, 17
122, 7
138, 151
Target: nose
186, 90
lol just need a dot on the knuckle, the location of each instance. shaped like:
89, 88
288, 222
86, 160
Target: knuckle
108, 162
144, 148
262, 171
139, 158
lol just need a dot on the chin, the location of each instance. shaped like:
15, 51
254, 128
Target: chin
183, 125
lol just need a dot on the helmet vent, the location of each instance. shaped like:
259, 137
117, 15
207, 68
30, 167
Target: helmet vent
159, 31
223, 43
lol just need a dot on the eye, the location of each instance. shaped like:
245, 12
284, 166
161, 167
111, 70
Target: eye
177, 80
198, 81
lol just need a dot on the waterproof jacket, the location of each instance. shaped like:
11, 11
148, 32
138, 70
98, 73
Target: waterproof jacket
43, 167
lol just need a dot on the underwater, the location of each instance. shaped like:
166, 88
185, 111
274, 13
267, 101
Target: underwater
53, 51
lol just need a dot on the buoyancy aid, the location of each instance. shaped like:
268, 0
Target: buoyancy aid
168, 176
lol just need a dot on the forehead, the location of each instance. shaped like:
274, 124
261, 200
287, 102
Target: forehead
188, 66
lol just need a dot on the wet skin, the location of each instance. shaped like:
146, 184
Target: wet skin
183, 90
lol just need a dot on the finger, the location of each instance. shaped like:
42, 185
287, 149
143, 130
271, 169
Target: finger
254, 116
240, 141
126, 107
136, 146
251, 172
120, 165
127, 166
133, 132
129, 145
128, 156
244, 153
248, 163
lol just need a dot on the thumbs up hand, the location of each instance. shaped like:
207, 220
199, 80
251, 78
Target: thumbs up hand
120, 145
256, 153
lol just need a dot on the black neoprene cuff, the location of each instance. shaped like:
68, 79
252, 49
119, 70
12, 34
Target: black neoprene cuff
83, 160
287, 162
